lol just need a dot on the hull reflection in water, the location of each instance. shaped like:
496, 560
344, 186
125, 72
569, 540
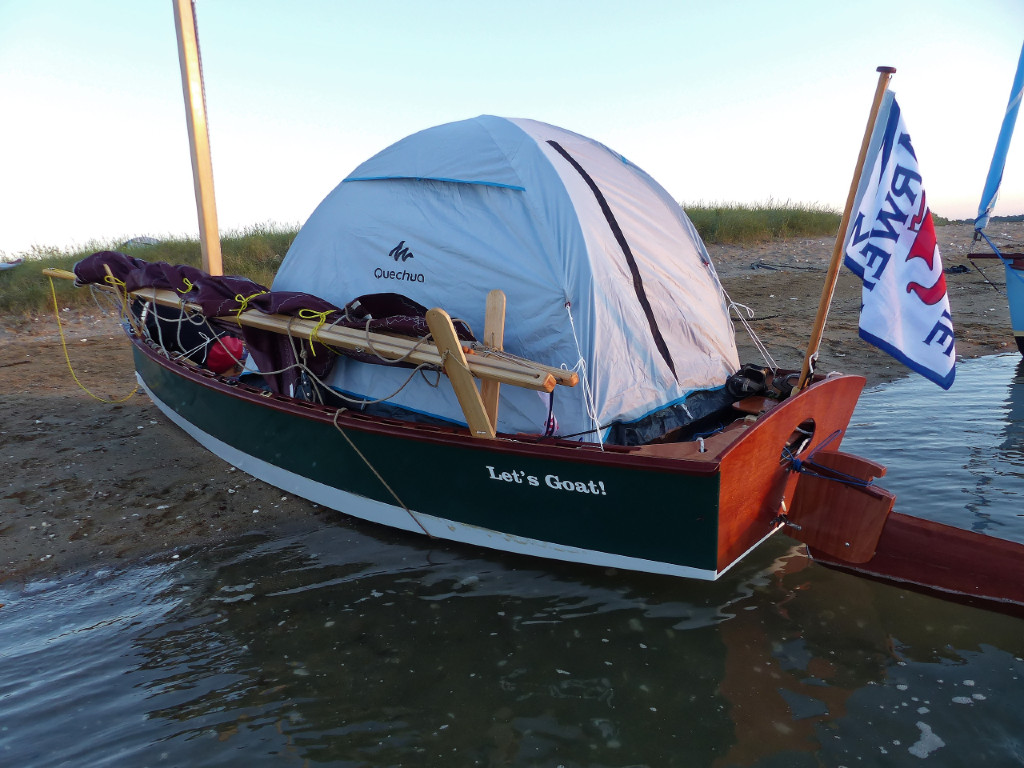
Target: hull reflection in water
340, 646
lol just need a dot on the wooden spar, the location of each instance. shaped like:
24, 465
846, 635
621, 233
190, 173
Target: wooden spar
457, 369
494, 337
520, 373
506, 369
198, 133
884, 74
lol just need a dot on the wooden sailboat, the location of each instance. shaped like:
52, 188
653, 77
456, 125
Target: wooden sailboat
922, 554
690, 502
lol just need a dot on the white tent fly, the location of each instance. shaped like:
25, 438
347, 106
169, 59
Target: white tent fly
602, 270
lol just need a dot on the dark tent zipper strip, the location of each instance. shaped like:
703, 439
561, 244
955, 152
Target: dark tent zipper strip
620, 238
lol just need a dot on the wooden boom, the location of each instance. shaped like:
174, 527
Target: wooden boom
504, 369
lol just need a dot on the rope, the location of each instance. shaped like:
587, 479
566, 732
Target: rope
321, 318
1006, 262
581, 368
243, 301
393, 360
185, 316
758, 344
378, 474
67, 357
809, 467
362, 402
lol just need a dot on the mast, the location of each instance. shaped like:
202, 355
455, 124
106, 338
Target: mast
995, 171
198, 132
832, 276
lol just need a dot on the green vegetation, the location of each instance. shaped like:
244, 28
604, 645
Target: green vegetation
255, 252
738, 223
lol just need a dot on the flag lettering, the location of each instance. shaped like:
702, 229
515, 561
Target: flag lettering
942, 332
891, 246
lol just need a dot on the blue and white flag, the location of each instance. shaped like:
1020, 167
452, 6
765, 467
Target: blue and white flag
890, 244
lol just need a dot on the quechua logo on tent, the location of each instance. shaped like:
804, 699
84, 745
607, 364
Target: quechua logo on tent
399, 253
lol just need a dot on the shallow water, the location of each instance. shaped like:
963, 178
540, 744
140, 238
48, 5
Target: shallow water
958, 456
356, 646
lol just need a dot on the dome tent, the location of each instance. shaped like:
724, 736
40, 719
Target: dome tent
602, 270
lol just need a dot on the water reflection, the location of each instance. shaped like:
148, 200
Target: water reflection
956, 457
1013, 431
355, 646
345, 647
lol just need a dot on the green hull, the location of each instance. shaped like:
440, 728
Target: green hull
668, 508
562, 501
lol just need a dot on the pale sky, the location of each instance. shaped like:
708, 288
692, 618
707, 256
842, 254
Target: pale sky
727, 101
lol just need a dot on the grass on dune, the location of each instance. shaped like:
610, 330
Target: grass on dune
739, 223
257, 251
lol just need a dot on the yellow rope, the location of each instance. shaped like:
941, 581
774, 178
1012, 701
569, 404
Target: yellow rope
67, 357
320, 317
243, 301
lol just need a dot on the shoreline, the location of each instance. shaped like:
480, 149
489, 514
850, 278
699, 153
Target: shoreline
93, 484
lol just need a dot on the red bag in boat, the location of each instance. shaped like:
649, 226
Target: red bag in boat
220, 359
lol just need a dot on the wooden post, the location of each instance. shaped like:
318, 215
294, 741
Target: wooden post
198, 133
494, 337
885, 73
457, 368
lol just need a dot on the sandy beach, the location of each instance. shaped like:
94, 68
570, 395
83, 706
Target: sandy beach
88, 484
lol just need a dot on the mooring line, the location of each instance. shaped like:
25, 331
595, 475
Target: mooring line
378, 475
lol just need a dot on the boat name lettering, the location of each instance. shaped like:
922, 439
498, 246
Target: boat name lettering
398, 274
551, 481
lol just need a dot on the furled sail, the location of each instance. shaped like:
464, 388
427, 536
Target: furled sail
995, 171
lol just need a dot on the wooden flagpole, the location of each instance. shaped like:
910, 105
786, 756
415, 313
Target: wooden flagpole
884, 74
198, 133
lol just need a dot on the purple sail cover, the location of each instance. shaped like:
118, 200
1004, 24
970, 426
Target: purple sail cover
91, 269
219, 295
275, 353
224, 296
394, 313
181, 278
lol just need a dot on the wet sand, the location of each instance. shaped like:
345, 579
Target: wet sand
87, 484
